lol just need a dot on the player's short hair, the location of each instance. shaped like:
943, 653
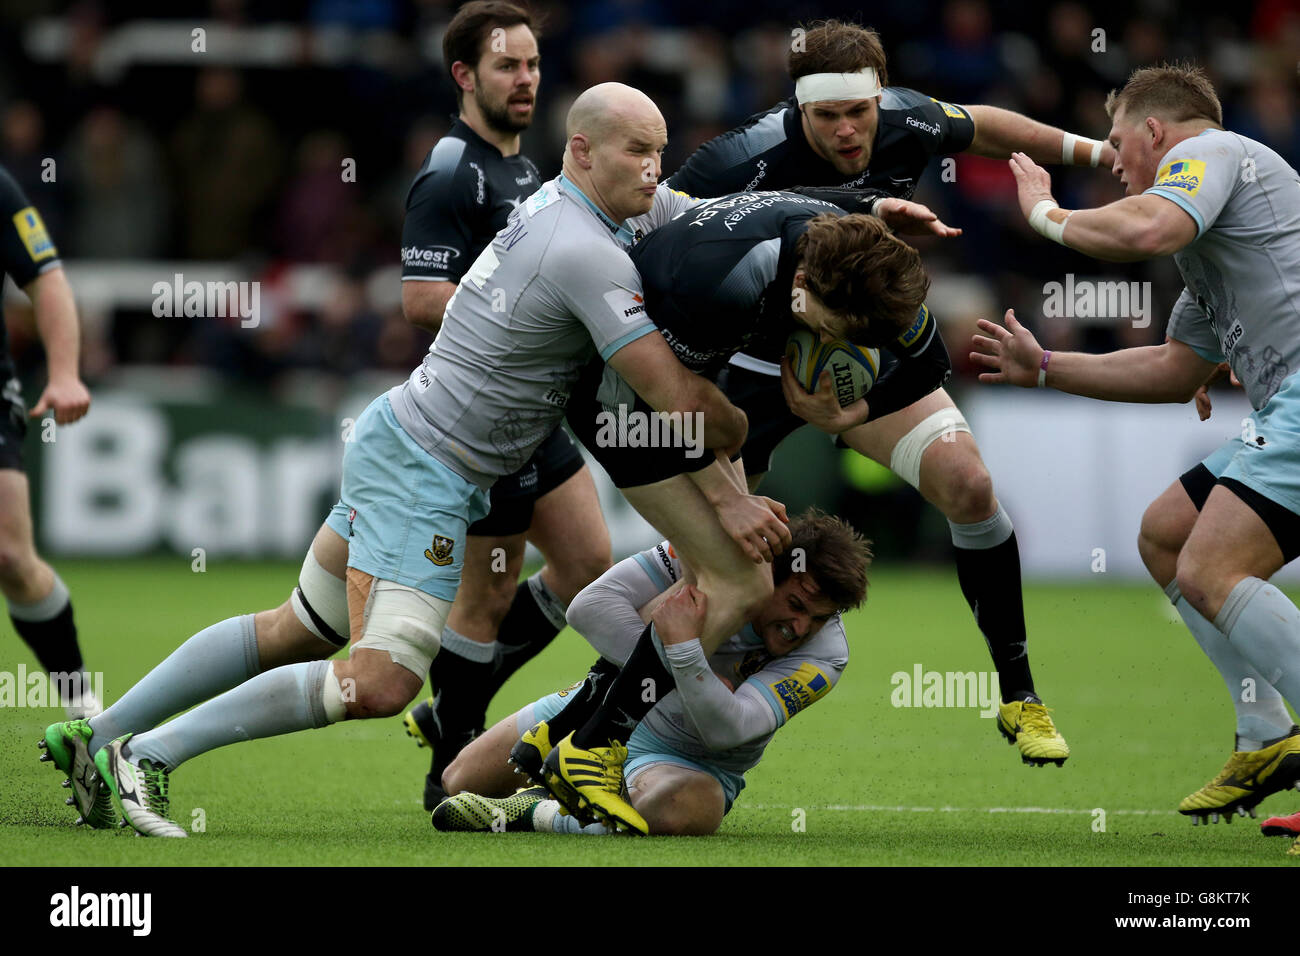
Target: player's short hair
834, 554
833, 46
1175, 92
472, 26
861, 270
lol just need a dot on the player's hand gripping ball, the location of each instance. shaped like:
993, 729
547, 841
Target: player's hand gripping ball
853, 369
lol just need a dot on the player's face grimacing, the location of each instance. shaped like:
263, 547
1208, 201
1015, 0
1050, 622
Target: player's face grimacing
1135, 159
506, 78
842, 132
794, 613
627, 164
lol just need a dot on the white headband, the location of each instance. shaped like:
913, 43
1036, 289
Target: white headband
817, 87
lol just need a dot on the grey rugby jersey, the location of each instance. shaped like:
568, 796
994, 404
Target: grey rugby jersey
553, 288
1242, 272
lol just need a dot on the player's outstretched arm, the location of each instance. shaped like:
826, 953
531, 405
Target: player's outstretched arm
1127, 230
56, 321
1152, 374
999, 133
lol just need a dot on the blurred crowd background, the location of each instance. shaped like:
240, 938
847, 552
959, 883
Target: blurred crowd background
168, 159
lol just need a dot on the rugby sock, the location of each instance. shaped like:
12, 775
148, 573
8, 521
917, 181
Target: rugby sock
281, 701
988, 570
460, 676
1263, 624
548, 819
1261, 714
214, 660
583, 701
643, 682
534, 618
46, 626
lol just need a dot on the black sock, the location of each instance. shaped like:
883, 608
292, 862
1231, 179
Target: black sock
990, 581
460, 686
53, 641
583, 700
524, 633
630, 697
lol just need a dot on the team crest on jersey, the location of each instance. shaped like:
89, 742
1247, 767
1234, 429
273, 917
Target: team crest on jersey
1185, 174
31, 230
802, 688
751, 664
440, 553
949, 110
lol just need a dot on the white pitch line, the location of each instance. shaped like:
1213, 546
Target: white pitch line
874, 808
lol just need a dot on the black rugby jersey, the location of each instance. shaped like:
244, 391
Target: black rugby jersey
460, 199
26, 250
770, 150
717, 279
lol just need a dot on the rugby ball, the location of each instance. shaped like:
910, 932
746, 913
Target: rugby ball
853, 369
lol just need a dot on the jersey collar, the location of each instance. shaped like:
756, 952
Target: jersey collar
622, 232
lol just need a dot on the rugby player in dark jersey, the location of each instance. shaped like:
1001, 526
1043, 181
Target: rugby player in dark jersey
38, 600
846, 127
460, 199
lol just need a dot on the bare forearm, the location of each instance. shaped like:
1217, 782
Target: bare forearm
1115, 233
56, 321
999, 133
1128, 375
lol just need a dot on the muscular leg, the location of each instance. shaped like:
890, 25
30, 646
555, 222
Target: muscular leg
943, 463
228, 653
1166, 526
678, 801
734, 585
38, 600
1223, 572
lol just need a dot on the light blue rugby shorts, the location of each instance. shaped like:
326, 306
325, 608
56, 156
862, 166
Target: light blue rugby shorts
404, 513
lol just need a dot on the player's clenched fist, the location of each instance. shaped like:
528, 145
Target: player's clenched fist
69, 400
680, 618
1012, 352
756, 523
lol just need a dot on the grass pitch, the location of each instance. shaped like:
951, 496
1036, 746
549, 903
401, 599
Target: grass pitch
855, 780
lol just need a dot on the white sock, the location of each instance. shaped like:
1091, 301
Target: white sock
1260, 719
1263, 624
548, 819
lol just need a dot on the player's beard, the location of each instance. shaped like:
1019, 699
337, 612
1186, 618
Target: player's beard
499, 117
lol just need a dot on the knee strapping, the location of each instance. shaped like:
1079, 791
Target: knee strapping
905, 460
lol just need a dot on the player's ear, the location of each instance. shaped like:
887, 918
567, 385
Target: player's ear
464, 76
580, 147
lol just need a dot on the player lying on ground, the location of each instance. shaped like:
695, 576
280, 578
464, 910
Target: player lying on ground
845, 126
37, 598
421, 460
469, 184
720, 275
1228, 209
687, 759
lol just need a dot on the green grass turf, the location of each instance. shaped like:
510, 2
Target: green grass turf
1147, 718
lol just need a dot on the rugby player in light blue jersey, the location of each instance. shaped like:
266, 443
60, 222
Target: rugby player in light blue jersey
553, 289
1228, 209
688, 758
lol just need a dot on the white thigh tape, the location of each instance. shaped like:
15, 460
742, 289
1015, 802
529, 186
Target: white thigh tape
321, 598
405, 623
905, 461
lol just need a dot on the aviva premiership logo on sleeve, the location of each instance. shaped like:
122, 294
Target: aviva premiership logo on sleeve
917, 328
31, 230
956, 112
803, 687
1185, 174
